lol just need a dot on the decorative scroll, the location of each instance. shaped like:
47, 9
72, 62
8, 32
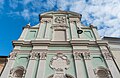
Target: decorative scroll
60, 19
32, 55
59, 64
77, 55
43, 55
86, 55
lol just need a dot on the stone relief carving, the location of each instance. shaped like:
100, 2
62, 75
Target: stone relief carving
17, 72
86, 55
59, 64
32, 55
60, 19
107, 55
43, 55
77, 55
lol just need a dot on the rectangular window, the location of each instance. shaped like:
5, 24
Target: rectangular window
59, 35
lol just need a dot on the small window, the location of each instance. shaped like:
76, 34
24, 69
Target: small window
59, 35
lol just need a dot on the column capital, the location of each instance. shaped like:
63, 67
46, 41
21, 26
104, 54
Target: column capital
77, 55
43, 55
86, 55
13, 55
107, 56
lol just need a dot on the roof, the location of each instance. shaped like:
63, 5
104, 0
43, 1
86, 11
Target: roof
112, 39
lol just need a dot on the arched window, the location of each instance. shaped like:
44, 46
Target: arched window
102, 72
17, 72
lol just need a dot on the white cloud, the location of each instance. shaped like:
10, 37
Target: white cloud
105, 14
26, 14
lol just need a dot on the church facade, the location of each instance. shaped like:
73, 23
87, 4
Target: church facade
60, 47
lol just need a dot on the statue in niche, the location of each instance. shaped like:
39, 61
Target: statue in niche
59, 64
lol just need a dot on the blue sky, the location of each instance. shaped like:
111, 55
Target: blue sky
15, 14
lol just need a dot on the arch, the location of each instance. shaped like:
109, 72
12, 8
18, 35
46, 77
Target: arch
102, 72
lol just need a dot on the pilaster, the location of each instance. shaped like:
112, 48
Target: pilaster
73, 29
110, 63
95, 32
42, 29
31, 66
42, 64
48, 29
88, 63
77, 59
9, 65
24, 33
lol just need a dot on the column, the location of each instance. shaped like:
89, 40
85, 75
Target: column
9, 65
24, 33
88, 63
31, 66
77, 59
42, 65
110, 63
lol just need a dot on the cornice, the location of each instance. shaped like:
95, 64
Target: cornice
40, 42
79, 42
45, 42
102, 42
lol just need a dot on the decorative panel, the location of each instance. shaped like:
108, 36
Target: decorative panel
59, 19
97, 61
31, 35
21, 60
59, 35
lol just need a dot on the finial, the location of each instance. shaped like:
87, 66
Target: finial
91, 25
28, 25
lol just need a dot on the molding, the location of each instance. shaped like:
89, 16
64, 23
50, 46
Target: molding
79, 42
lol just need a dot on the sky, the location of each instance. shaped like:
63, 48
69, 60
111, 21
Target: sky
15, 14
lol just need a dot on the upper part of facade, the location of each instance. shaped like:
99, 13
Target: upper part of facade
59, 26
60, 47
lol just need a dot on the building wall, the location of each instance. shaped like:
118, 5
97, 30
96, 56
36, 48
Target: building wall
3, 61
53, 48
114, 45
